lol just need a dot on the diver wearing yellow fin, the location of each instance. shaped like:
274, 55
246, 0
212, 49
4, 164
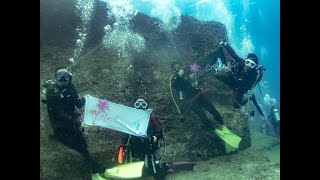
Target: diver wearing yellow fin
143, 148
190, 93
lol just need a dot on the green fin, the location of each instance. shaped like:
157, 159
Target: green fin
228, 137
126, 171
229, 148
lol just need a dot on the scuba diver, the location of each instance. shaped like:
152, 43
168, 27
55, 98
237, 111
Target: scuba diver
137, 154
62, 99
144, 148
242, 76
186, 85
189, 92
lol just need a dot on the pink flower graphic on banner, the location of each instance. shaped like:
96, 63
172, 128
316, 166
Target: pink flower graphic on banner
102, 105
101, 112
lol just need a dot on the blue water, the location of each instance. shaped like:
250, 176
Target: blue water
252, 25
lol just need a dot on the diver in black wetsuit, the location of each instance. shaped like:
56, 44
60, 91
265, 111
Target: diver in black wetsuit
62, 98
187, 86
144, 148
244, 74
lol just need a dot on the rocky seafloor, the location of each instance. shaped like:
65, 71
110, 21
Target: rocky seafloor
102, 72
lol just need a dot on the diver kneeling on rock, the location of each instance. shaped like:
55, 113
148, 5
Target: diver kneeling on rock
138, 154
62, 98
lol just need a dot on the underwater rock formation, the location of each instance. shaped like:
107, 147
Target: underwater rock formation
105, 74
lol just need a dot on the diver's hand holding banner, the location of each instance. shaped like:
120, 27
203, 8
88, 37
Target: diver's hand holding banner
114, 116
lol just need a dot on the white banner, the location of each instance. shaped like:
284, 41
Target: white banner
114, 116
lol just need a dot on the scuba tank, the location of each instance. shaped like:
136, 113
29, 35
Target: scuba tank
180, 95
275, 114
